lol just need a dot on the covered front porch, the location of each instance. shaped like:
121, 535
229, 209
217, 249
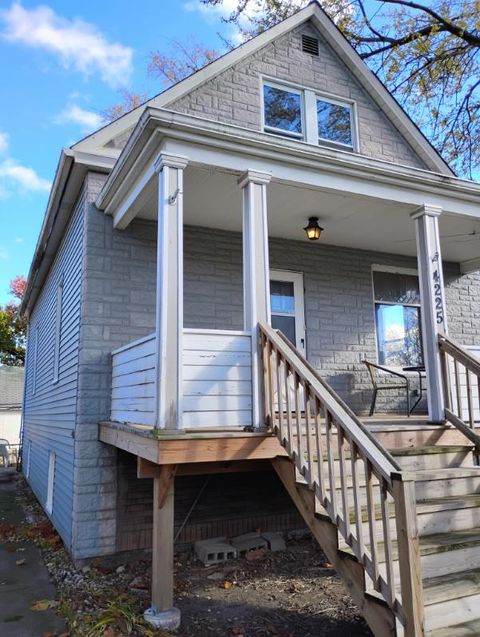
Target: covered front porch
230, 223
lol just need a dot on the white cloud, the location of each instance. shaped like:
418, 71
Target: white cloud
15, 175
88, 120
79, 45
3, 143
19, 239
214, 12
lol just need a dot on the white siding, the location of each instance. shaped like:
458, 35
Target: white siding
217, 380
50, 408
133, 382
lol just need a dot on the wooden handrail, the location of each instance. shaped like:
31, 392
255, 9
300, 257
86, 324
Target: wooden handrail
394, 466
357, 483
461, 374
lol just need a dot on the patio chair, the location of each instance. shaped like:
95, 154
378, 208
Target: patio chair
4, 445
373, 369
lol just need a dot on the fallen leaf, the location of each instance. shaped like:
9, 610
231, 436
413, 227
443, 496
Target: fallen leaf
326, 565
20, 562
49, 633
42, 604
227, 584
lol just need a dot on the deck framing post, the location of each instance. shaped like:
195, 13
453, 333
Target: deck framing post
162, 613
433, 309
169, 299
256, 275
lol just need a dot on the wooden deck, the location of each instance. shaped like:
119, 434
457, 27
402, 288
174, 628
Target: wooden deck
227, 445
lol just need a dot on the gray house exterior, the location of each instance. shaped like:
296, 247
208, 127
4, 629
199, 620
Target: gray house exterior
94, 283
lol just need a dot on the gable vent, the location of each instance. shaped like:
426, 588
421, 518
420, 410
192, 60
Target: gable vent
309, 44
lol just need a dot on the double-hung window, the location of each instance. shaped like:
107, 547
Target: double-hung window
397, 318
283, 110
302, 114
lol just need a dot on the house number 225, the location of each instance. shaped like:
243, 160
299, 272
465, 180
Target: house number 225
437, 295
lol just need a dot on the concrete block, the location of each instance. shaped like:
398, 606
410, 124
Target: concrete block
249, 542
214, 550
275, 541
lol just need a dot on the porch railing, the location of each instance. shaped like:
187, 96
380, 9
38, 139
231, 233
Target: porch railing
461, 385
357, 484
216, 380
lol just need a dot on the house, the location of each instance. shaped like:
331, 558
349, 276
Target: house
11, 397
172, 250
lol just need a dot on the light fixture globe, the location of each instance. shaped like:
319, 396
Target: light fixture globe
312, 229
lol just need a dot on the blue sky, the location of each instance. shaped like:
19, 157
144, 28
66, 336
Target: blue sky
61, 65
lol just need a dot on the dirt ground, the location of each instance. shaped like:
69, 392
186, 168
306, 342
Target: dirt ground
290, 593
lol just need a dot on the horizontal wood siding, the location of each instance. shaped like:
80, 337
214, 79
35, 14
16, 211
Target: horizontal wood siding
133, 382
217, 380
50, 407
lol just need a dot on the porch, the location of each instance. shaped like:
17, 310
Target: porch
223, 217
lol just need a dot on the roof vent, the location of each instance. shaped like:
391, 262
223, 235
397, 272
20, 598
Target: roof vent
309, 44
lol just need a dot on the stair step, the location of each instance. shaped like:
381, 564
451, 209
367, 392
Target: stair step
467, 629
462, 584
430, 450
434, 457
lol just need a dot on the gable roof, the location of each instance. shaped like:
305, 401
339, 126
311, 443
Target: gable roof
97, 143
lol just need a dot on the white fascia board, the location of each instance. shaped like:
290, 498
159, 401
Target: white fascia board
226, 143
71, 170
379, 93
339, 44
105, 134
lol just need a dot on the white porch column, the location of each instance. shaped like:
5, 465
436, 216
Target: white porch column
256, 278
432, 294
169, 302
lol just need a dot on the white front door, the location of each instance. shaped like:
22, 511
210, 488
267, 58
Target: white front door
287, 306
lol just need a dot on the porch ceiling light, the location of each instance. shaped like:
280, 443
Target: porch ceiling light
312, 229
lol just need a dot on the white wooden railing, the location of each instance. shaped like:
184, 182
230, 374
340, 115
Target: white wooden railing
357, 484
217, 380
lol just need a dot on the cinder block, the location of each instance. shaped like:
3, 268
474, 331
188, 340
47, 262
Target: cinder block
275, 541
214, 550
249, 542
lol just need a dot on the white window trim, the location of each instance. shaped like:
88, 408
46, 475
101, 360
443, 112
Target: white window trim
309, 114
390, 269
298, 291
353, 121
35, 359
50, 481
58, 329
273, 130
29, 458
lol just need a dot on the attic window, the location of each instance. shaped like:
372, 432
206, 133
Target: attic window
303, 114
309, 44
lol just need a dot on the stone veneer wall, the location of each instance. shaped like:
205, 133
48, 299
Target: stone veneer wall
118, 306
234, 96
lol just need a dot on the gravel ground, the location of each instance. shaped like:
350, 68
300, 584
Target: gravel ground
290, 593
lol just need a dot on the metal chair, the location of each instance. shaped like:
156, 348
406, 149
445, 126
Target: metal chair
373, 371
4, 455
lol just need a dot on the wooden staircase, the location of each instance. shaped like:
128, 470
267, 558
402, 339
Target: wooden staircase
401, 526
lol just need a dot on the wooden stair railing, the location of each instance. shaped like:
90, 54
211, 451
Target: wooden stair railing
462, 392
358, 486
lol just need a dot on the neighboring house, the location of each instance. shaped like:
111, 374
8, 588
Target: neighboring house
173, 238
11, 398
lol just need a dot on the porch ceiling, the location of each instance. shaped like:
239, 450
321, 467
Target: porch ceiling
213, 199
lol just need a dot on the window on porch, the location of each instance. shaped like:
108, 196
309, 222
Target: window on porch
398, 319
